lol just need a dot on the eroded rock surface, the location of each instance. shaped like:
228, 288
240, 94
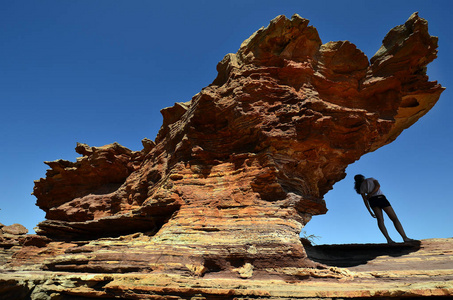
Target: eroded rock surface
235, 173
399, 271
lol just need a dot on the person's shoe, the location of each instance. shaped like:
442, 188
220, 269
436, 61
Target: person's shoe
408, 240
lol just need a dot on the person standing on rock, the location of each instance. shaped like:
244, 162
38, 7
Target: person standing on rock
376, 202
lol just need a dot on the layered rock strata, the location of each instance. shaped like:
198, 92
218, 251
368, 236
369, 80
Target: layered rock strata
378, 271
12, 238
235, 173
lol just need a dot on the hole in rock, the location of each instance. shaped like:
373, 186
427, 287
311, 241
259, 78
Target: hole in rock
409, 102
212, 265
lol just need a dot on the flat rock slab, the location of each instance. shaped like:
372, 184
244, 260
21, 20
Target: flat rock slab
421, 255
396, 271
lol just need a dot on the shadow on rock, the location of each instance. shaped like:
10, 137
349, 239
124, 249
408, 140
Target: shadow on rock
351, 255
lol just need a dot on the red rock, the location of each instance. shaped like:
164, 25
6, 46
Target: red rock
246, 163
15, 229
36, 240
236, 173
100, 171
397, 271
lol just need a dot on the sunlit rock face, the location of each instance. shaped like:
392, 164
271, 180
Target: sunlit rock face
235, 173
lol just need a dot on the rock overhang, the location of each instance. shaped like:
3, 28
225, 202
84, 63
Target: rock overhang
246, 162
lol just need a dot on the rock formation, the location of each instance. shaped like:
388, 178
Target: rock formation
11, 238
235, 173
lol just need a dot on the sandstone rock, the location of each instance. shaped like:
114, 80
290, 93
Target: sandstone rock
36, 240
15, 229
12, 237
214, 207
148, 145
88, 182
389, 272
246, 271
235, 173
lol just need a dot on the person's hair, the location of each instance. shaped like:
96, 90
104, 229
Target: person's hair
359, 178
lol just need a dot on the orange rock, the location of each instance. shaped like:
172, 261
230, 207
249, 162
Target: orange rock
235, 173
15, 229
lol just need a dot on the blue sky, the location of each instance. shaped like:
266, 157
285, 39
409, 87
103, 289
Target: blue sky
99, 71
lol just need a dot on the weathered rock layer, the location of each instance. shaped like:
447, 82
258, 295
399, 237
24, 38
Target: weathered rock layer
235, 173
378, 271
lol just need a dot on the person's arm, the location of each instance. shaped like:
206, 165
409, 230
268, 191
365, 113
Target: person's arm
365, 201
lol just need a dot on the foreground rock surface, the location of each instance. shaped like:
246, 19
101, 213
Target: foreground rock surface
380, 271
232, 177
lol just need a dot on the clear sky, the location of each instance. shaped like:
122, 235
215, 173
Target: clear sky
99, 71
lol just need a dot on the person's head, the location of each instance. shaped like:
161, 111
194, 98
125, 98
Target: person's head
359, 178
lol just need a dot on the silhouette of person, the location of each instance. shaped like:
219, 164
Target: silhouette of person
376, 202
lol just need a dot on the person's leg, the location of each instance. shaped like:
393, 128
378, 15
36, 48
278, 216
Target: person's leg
380, 220
392, 215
